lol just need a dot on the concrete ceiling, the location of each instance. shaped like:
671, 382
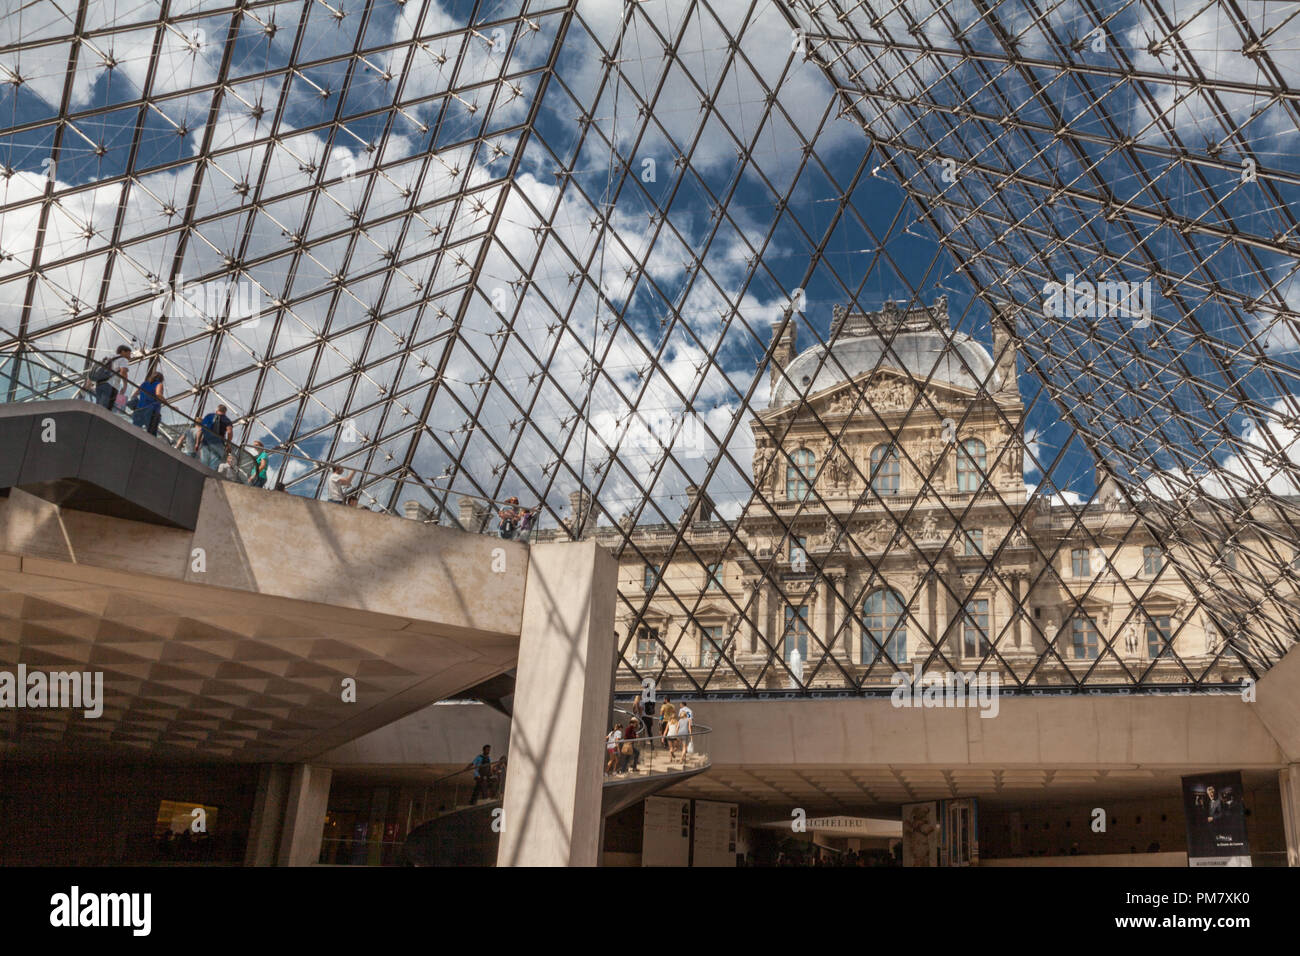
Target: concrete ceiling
220, 674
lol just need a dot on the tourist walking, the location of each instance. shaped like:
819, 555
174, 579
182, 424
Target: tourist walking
109, 377
527, 519
188, 440
336, 485
261, 465
482, 765
686, 727
671, 730
509, 516
215, 435
613, 740
148, 404
632, 745
667, 712
647, 715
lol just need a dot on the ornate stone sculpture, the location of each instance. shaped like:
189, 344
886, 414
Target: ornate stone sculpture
832, 531
929, 529
841, 404
1131, 638
840, 467
762, 462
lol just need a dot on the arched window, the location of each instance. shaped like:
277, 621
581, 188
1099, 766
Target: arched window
884, 626
970, 465
884, 470
799, 474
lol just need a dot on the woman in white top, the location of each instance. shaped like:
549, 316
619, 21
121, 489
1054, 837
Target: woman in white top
612, 741
671, 733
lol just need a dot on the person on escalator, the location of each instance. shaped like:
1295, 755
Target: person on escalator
482, 765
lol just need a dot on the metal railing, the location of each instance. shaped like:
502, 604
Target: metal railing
32, 375
464, 787
657, 753
45, 375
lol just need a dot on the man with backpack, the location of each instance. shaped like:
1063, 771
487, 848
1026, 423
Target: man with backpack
215, 435
109, 376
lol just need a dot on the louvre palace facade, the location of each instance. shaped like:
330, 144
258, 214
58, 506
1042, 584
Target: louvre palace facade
907, 538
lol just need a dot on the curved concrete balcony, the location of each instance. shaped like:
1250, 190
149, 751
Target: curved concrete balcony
465, 834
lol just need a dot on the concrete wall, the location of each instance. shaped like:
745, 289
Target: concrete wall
283, 546
439, 735
1278, 703
1181, 731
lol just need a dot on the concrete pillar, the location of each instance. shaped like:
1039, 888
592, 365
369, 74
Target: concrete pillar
304, 815
562, 690
268, 815
1288, 780
764, 615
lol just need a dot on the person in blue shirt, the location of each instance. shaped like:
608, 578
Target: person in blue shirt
482, 774
148, 409
217, 431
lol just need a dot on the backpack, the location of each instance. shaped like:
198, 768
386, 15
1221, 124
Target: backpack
103, 372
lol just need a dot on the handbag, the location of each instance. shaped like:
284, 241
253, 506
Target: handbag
627, 748
134, 402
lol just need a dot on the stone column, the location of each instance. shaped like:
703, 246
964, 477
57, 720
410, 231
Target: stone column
823, 614
838, 618
950, 643
288, 823
268, 815
1022, 642
932, 613
563, 684
304, 815
1003, 609
919, 623
1288, 779
764, 616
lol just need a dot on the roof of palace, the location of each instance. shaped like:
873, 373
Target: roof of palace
917, 341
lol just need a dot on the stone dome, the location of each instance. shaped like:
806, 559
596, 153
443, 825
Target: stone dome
924, 345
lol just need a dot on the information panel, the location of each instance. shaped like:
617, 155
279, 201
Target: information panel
666, 837
715, 834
